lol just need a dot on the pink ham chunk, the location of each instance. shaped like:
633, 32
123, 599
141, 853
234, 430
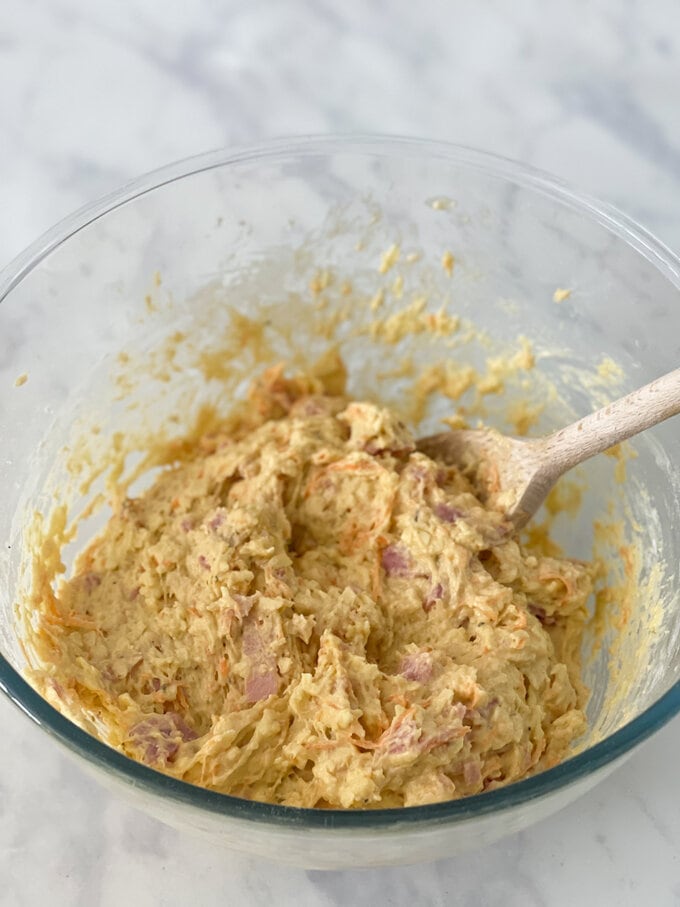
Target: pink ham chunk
401, 736
484, 712
452, 729
417, 666
446, 513
472, 773
217, 519
263, 678
159, 737
546, 619
435, 595
394, 561
244, 603
405, 734
261, 686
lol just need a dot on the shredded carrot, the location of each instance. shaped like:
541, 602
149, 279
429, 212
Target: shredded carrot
360, 466
363, 744
521, 622
315, 480
71, 620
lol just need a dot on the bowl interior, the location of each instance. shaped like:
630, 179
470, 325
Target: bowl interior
174, 299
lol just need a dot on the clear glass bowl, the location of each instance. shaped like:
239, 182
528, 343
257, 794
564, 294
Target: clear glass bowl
252, 226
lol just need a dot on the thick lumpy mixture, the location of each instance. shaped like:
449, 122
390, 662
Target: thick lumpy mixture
309, 611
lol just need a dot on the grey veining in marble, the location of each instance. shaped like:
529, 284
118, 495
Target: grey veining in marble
95, 93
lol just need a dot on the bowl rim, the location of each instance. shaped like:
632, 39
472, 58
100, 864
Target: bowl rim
572, 770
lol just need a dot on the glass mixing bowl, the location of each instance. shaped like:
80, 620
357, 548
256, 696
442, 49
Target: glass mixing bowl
244, 231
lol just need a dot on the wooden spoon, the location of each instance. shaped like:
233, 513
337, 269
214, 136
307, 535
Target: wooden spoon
518, 473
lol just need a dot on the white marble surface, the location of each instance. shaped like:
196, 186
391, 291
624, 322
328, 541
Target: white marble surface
93, 93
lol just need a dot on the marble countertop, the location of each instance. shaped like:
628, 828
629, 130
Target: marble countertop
94, 93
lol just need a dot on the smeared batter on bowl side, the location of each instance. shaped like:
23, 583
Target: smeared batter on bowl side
308, 611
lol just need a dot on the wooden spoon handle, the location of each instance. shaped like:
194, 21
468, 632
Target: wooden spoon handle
606, 427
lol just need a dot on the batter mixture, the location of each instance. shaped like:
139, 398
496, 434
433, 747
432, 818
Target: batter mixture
309, 611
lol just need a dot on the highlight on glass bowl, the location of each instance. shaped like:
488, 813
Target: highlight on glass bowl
237, 587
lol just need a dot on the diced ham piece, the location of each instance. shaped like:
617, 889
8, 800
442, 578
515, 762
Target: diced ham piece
418, 471
203, 561
261, 686
486, 711
449, 732
441, 737
159, 737
433, 596
417, 666
442, 477
472, 773
446, 513
394, 561
244, 603
91, 581
546, 619
263, 679
218, 519
187, 524
405, 734
401, 736
253, 638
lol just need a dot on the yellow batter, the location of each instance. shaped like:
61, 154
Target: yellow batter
308, 611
